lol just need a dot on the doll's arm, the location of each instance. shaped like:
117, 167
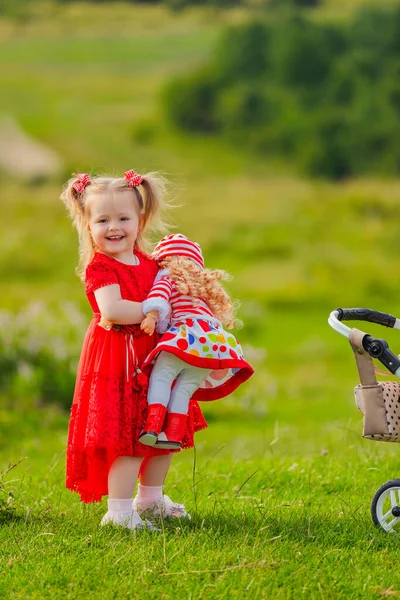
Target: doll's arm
163, 324
115, 309
157, 302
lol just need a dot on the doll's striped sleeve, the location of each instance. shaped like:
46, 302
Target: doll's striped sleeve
158, 297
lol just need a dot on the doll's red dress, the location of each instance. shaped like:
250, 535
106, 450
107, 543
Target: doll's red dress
109, 408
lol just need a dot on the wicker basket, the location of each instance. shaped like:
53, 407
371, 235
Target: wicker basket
379, 401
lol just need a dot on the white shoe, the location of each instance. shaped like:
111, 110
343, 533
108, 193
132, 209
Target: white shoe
128, 520
162, 508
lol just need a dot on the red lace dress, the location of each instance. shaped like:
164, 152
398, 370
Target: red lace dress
110, 400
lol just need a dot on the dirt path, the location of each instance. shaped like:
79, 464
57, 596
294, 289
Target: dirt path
23, 156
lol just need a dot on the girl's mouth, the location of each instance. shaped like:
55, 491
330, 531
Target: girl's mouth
115, 238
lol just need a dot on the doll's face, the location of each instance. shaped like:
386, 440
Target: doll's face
114, 222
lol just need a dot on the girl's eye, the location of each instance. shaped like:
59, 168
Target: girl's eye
103, 221
124, 218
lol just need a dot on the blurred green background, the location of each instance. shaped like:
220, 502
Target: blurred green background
277, 123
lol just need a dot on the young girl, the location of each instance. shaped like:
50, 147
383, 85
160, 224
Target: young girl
196, 355
109, 407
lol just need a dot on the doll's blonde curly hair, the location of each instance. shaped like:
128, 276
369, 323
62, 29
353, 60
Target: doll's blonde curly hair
190, 280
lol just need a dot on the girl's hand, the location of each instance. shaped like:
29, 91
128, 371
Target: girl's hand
105, 324
148, 325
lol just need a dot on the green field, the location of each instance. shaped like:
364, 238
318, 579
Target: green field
280, 485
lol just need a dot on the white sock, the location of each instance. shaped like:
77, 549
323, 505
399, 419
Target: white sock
120, 512
119, 506
148, 494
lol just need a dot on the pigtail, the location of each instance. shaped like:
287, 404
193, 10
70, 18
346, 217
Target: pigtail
153, 193
73, 197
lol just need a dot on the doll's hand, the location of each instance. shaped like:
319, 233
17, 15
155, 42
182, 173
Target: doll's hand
105, 324
148, 325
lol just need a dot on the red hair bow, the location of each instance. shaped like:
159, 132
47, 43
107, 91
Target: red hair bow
133, 178
83, 181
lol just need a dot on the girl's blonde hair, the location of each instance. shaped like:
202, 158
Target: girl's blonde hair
190, 280
150, 196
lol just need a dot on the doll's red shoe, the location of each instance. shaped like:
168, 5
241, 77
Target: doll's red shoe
172, 435
154, 424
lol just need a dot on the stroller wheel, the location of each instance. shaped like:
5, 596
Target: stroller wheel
385, 507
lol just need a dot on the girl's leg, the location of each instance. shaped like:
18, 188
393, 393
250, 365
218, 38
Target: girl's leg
154, 470
150, 490
121, 484
123, 476
152, 476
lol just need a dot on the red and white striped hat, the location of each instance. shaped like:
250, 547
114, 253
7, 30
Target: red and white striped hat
178, 245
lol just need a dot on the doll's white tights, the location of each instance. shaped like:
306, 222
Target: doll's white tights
167, 369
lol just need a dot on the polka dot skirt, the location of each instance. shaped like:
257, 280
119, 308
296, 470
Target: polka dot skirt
206, 345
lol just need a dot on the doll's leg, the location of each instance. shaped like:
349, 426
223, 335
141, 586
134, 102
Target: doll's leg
121, 483
165, 371
188, 381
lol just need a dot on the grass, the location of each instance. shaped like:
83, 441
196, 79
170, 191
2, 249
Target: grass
279, 489
267, 521
281, 482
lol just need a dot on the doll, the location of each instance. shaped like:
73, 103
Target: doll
196, 358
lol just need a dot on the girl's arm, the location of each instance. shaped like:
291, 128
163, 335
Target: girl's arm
116, 310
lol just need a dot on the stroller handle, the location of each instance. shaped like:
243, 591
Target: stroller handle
376, 348
366, 314
360, 314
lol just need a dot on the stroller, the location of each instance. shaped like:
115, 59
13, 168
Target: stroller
378, 401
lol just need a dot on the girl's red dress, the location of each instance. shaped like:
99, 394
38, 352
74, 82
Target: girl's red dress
110, 401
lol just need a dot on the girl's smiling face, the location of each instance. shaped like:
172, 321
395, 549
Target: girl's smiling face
114, 223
